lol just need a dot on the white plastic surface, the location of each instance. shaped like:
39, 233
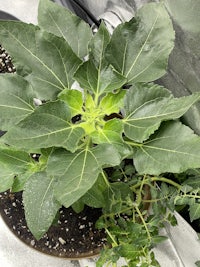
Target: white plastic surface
25, 10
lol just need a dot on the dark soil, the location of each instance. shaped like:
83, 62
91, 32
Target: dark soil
73, 236
6, 65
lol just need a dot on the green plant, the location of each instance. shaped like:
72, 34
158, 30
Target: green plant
114, 144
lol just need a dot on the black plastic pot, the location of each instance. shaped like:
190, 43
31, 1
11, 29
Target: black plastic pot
79, 7
6, 16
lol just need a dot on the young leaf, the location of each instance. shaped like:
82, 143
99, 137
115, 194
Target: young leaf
98, 81
194, 211
41, 213
46, 60
16, 100
78, 171
112, 102
46, 127
139, 49
74, 100
98, 45
112, 133
174, 148
96, 75
62, 22
146, 107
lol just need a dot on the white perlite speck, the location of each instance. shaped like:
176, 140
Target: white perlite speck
61, 240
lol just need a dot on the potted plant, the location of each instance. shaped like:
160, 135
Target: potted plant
115, 142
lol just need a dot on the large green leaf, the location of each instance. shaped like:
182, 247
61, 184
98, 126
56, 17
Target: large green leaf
95, 74
15, 161
139, 49
94, 196
16, 100
6, 180
61, 22
146, 106
47, 60
98, 45
79, 171
39, 203
46, 127
12, 163
174, 148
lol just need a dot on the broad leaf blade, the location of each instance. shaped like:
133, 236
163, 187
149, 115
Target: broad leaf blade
16, 100
46, 127
96, 75
15, 161
61, 22
6, 181
46, 60
139, 49
94, 197
41, 213
174, 148
146, 107
12, 163
78, 171
98, 45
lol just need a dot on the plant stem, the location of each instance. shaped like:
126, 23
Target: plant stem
143, 221
156, 179
166, 180
105, 178
131, 143
111, 237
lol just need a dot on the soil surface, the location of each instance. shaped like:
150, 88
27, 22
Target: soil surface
73, 236
5, 62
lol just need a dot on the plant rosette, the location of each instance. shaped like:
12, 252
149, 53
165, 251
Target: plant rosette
102, 146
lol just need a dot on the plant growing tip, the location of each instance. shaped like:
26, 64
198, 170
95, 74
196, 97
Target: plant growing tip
105, 146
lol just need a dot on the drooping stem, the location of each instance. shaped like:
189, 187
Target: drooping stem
155, 179
166, 180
